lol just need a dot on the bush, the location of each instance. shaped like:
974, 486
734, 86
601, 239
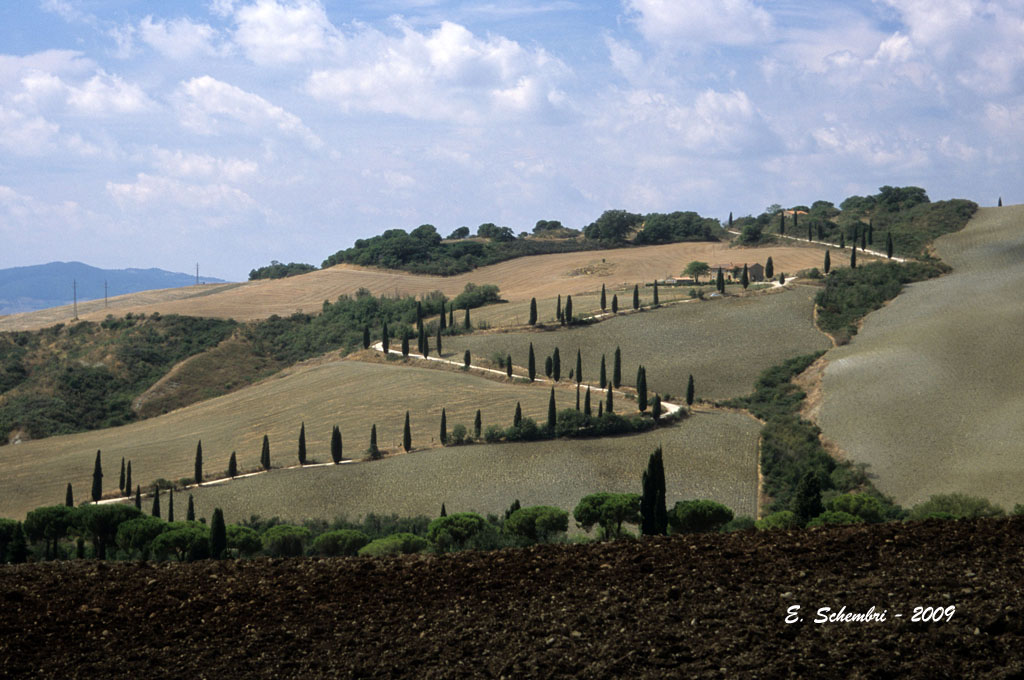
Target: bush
537, 523
863, 506
473, 296
784, 519
608, 510
493, 434
458, 435
285, 540
955, 505
455, 531
341, 542
741, 523
244, 540
834, 517
698, 516
137, 535
395, 544
187, 541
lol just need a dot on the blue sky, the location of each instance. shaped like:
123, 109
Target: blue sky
234, 132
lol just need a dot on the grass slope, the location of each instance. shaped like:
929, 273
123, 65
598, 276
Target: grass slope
928, 393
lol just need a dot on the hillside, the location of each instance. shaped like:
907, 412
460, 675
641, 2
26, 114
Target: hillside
928, 393
25, 289
700, 606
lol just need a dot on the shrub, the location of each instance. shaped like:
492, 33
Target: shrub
784, 519
455, 530
187, 541
863, 506
956, 505
741, 523
458, 435
698, 516
138, 534
493, 434
609, 511
834, 517
537, 523
341, 542
395, 544
243, 540
285, 540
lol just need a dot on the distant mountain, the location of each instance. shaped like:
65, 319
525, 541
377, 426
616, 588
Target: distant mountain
26, 289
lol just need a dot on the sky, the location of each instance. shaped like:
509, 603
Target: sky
231, 133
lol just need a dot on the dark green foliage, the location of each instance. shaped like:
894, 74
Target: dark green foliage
138, 497
517, 418
49, 524
18, 546
437, 342
218, 535
284, 540
612, 226
567, 315
456, 530
871, 232
636, 296
586, 403
655, 301
828, 262
609, 511
552, 411
265, 453
531, 364
243, 540
466, 324
342, 542
100, 523
863, 239
603, 378
556, 366
853, 258
955, 505
769, 268
782, 278
558, 310
137, 535
396, 544
653, 516
8, 527
366, 337
698, 516
276, 270
888, 245
407, 434
233, 465
783, 519
443, 436
442, 320
385, 338
577, 397
842, 241
536, 524
807, 498
774, 394
615, 303
548, 366
604, 299
641, 388
477, 425
302, 444
190, 512
533, 311
617, 368
689, 391
170, 506
199, 463
833, 517
405, 344
610, 402
69, 498
97, 479
782, 222
745, 277
656, 408
579, 367
336, 445
720, 281
373, 450
444, 512
156, 503
508, 365
120, 483
476, 296
678, 226
864, 506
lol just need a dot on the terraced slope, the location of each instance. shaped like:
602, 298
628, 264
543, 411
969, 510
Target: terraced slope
929, 392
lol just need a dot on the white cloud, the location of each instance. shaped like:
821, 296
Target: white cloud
153, 190
445, 74
26, 135
178, 38
272, 33
691, 24
203, 166
204, 102
13, 68
104, 93
21, 215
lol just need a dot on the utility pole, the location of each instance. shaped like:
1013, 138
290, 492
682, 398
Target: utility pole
104, 294
197, 273
74, 288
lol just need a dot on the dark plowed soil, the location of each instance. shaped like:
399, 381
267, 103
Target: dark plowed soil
694, 606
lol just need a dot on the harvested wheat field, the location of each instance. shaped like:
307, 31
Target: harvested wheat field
352, 394
709, 455
725, 343
929, 392
541, 276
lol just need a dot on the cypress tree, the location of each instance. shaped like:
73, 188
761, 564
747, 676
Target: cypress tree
556, 366
795, 222
199, 462
568, 309
419, 313
384, 338
128, 479
518, 417
407, 434
807, 498
810, 234
610, 406
730, 219
689, 391
577, 397
156, 502
19, 546
656, 408
451, 316
302, 444
508, 365
421, 341
265, 453
405, 345
617, 368
373, 450
533, 311
853, 258
653, 515
366, 337
769, 269
467, 323
641, 389
888, 244
600, 409
720, 281
531, 365
478, 425
842, 241
655, 292
441, 319
579, 367
170, 506
218, 535
336, 445
863, 239
603, 379
138, 497
438, 342
871, 232
190, 511
828, 262
232, 465
615, 303
1000, 204
548, 367
782, 278
444, 427
465, 359
69, 497
782, 222
558, 309
744, 277
444, 513
120, 483
97, 479
586, 403
426, 346
604, 299
636, 296
552, 412
821, 232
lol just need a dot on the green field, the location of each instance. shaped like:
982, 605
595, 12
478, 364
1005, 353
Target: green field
710, 455
929, 392
725, 343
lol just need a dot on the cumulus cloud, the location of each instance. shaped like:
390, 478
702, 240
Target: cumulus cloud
150, 190
694, 23
26, 135
179, 38
205, 102
102, 94
272, 33
203, 166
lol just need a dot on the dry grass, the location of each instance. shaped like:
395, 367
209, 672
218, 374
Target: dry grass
541, 276
929, 392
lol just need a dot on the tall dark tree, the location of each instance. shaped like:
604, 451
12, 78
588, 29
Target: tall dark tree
617, 368
653, 514
853, 257
97, 479
871, 232
265, 453
782, 278
444, 427
190, 511
518, 417
138, 497
828, 262
466, 322
120, 483
558, 310
656, 408
128, 479
795, 222
577, 397
548, 366
508, 365
405, 344
444, 512
745, 277
19, 546
600, 408
604, 299
810, 233
465, 359
556, 366
552, 411
419, 313
69, 497
170, 505
336, 445
586, 403
533, 311
218, 535
451, 316
385, 339
568, 310
437, 342
782, 222
478, 425
366, 337
720, 281
603, 378
730, 219
531, 364
641, 389
655, 293
426, 346
302, 444
579, 367
156, 502
233, 465
888, 244
769, 269
636, 296
689, 391
441, 319
1000, 204
421, 341
199, 462
373, 450
609, 405
863, 239
615, 303
842, 240
407, 434
807, 498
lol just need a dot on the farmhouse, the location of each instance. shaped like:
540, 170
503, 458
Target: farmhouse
755, 272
